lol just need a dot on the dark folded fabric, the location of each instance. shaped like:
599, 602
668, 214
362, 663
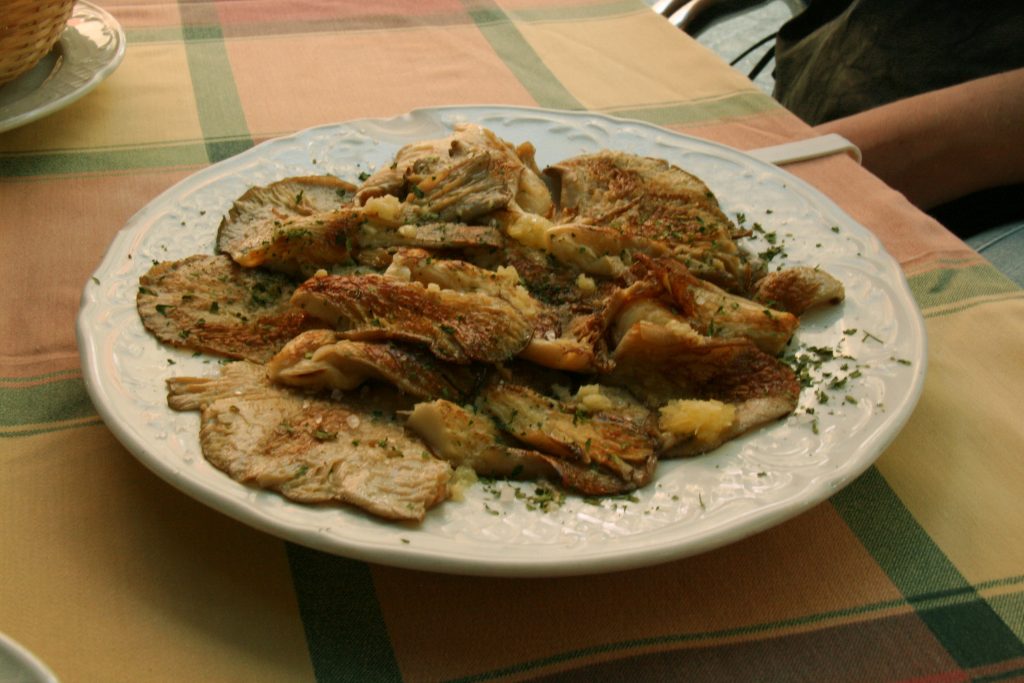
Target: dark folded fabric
840, 57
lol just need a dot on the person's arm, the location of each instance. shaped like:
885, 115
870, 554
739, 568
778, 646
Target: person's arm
944, 144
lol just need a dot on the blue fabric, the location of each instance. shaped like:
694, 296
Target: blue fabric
1004, 247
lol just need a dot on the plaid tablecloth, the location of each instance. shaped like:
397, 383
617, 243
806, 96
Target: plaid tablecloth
913, 572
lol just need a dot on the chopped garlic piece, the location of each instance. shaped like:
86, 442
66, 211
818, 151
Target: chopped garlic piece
508, 274
703, 420
530, 230
592, 400
408, 231
387, 207
399, 272
586, 284
681, 327
461, 480
514, 293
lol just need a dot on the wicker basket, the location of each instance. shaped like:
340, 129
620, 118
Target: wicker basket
28, 30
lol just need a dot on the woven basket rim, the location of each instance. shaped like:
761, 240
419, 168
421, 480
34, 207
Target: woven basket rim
30, 30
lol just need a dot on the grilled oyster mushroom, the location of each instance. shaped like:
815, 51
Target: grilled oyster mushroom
319, 359
599, 250
709, 309
302, 244
420, 266
464, 437
718, 313
434, 236
552, 282
208, 303
278, 202
461, 188
302, 224
562, 338
533, 196
605, 439
660, 363
310, 450
598, 482
461, 177
649, 199
798, 289
459, 327
391, 180
471, 438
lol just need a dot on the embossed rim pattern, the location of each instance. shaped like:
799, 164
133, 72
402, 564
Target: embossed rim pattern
85, 62
694, 505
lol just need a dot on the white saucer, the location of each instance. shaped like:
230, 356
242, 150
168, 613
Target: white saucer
18, 665
88, 51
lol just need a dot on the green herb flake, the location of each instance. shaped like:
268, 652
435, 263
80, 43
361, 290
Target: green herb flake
868, 335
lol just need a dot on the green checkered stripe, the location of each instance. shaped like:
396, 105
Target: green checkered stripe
223, 122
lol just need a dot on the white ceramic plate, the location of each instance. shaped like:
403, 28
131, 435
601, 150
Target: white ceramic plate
694, 505
88, 51
18, 665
